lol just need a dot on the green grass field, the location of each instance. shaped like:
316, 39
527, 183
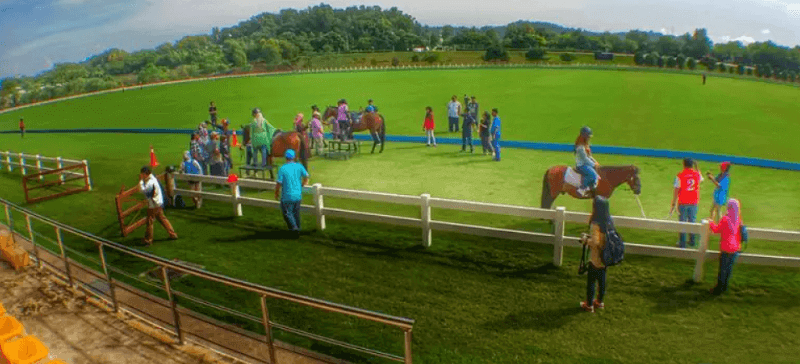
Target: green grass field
475, 300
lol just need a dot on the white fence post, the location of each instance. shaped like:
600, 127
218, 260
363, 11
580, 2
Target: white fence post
701, 252
86, 174
22, 164
8, 160
558, 244
318, 206
426, 219
235, 193
60, 164
39, 166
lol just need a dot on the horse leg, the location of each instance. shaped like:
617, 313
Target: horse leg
375, 140
382, 134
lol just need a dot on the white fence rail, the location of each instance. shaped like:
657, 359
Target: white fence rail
559, 218
35, 163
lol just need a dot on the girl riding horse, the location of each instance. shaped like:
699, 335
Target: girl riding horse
585, 164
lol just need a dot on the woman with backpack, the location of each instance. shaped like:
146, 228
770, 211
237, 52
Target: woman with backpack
600, 224
729, 228
191, 166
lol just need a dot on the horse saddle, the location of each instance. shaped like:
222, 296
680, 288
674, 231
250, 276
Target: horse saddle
572, 177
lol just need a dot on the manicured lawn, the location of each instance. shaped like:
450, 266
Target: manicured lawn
475, 300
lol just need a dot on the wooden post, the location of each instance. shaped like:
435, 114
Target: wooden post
237, 207
22, 164
174, 304
8, 160
59, 165
64, 256
39, 166
319, 206
701, 252
426, 219
268, 330
558, 245
407, 354
86, 174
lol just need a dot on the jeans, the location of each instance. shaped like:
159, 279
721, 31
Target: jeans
264, 154
248, 154
599, 276
452, 124
430, 136
687, 213
487, 147
466, 138
589, 176
291, 214
726, 261
496, 147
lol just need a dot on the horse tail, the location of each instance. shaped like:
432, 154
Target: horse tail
382, 131
303, 151
547, 197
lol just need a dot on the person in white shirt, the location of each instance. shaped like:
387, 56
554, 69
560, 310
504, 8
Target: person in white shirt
155, 203
453, 112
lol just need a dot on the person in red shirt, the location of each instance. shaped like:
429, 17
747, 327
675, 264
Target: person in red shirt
428, 126
687, 191
729, 244
21, 128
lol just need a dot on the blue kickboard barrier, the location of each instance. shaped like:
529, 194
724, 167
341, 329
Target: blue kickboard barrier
553, 147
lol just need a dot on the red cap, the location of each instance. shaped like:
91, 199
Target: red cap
232, 178
724, 166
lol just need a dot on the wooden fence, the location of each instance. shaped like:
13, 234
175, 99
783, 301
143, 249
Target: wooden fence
39, 164
559, 218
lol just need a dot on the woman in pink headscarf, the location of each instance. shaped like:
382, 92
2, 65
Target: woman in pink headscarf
730, 242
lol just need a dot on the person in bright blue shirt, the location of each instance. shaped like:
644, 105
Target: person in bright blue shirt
370, 107
495, 133
292, 177
723, 183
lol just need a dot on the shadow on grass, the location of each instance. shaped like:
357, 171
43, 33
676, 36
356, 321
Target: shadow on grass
543, 320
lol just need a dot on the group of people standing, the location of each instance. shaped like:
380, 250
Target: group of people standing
488, 129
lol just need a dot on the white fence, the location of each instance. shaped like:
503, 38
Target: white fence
559, 217
29, 162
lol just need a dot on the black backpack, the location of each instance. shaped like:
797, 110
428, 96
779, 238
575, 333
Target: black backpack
614, 251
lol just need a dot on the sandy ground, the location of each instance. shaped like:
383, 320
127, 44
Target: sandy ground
78, 330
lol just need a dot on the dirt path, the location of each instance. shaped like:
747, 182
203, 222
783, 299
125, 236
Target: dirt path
79, 332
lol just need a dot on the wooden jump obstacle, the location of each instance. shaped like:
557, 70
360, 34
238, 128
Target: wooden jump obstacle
64, 175
126, 196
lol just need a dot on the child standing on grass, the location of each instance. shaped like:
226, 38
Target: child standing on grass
484, 133
723, 183
429, 125
729, 244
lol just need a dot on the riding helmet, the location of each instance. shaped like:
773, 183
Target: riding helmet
256, 111
586, 131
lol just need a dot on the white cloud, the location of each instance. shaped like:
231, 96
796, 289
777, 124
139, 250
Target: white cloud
745, 39
765, 31
793, 10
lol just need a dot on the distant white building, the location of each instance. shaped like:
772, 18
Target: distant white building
420, 49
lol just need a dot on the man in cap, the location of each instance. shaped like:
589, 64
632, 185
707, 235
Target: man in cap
686, 194
472, 108
149, 186
292, 177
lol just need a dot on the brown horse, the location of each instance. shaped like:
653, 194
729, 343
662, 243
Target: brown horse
373, 122
283, 141
610, 178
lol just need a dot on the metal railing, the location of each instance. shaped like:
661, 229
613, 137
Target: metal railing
404, 324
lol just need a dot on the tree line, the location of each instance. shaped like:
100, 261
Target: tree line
291, 37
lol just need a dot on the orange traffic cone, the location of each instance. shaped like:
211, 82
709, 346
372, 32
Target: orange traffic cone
153, 160
235, 140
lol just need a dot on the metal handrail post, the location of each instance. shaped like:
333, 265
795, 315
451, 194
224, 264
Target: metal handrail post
60, 241
33, 241
175, 315
111, 291
407, 355
268, 329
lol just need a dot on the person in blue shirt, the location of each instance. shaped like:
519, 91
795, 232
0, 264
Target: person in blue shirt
191, 166
370, 107
495, 133
292, 177
723, 183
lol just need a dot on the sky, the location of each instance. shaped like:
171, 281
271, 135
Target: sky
35, 34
